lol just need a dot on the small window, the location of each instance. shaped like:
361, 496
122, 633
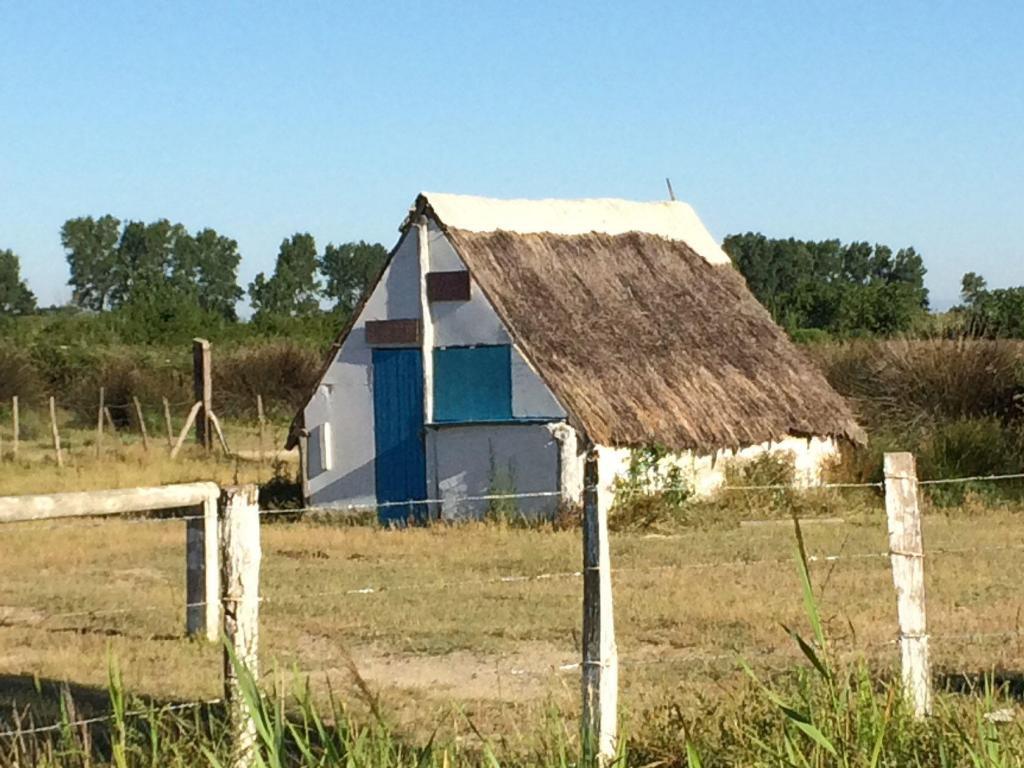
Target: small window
472, 384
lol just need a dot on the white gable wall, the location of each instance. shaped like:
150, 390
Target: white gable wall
345, 396
473, 322
466, 459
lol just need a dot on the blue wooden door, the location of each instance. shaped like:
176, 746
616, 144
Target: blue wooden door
401, 463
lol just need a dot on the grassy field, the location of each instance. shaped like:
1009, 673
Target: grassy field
429, 622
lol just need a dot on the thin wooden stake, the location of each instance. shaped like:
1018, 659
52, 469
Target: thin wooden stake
110, 422
167, 421
202, 387
240, 582
906, 549
16, 425
99, 424
184, 430
600, 669
263, 427
202, 573
220, 433
56, 434
142, 423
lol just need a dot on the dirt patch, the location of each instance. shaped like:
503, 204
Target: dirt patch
528, 673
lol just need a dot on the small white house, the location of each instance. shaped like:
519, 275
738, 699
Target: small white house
503, 337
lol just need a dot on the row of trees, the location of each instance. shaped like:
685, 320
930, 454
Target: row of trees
159, 281
997, 312
843, 289
160, 263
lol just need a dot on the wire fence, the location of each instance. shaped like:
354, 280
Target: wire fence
513, 579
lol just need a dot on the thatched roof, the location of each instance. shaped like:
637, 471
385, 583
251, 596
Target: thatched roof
644, 341
643, 336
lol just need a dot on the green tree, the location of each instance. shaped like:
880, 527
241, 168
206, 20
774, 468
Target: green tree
972, 288
204, 266
851, 289
91, 246
144, 258
15, 297
349, 270
293, 290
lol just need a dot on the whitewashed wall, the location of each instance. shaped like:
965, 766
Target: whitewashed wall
705, 474
345, 396
483, 460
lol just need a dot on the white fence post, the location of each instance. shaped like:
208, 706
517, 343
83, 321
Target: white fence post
600, 668
906, 549
240, 582
202, 579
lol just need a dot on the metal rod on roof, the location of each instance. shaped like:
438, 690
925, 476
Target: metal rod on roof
671, 194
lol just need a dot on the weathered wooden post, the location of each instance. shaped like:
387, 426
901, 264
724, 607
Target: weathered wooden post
16, 425
240, 581
202, 574
906, 550
142, 423
167, 423
99, 424
56, 435
202, 387
600, 668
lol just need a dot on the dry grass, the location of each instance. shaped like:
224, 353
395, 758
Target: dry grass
124, 463
438, 629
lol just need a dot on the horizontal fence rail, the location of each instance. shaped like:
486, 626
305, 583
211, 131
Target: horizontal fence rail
53, 506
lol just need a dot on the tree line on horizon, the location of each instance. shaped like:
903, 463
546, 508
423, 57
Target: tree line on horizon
162, 282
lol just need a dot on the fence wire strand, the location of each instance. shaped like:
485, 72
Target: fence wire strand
19, 732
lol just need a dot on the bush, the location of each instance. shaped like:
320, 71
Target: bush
652, 491
20, 377
282, 372
896, 385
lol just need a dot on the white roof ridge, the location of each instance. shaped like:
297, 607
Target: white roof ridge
671, 219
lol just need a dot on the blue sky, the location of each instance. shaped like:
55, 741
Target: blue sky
894, 122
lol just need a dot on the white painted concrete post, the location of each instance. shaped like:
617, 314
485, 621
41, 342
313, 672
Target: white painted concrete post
202, 577
240, 583
906, 549
600, 669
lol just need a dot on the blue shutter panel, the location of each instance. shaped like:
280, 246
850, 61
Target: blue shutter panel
473, 384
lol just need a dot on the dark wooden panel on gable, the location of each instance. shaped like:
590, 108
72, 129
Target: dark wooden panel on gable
393, 333
448, 286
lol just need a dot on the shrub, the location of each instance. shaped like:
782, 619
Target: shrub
20, 377
282, 372
652, 491
894, 385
